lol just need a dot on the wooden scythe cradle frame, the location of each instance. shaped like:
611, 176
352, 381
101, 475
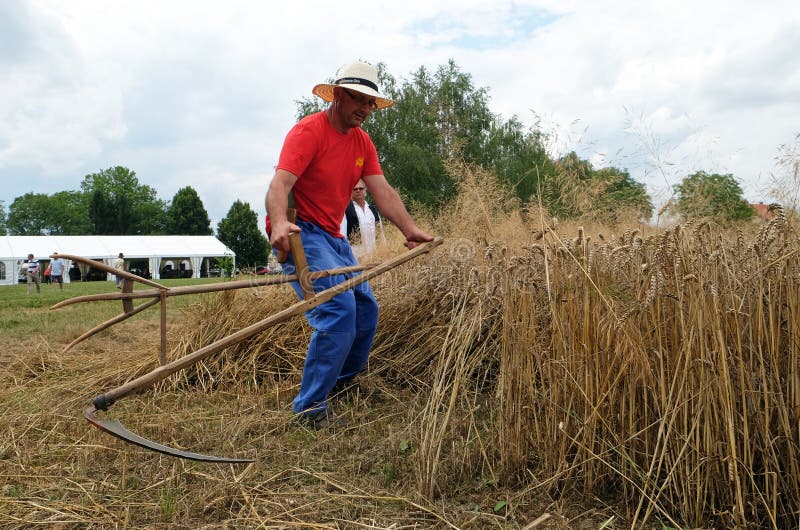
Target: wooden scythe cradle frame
159, 294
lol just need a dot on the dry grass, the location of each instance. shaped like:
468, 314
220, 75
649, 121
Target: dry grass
648, 377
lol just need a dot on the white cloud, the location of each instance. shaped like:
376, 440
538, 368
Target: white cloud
201, 93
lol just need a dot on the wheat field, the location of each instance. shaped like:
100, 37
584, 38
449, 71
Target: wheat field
528, 373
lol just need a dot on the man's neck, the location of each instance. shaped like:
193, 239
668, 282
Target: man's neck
335, 121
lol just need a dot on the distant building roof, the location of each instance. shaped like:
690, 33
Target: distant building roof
762, 210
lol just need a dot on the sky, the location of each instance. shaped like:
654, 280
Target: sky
201, 93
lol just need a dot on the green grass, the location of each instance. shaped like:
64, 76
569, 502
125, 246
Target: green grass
20, 311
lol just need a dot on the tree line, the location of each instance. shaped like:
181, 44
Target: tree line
439, 116
114, 202
110, 202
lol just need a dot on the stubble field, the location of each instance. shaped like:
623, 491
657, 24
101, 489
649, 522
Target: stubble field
526, 374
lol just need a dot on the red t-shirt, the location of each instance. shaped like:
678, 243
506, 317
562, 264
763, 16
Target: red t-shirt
328, 164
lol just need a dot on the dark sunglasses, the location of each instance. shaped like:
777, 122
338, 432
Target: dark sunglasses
359, 189
361, 99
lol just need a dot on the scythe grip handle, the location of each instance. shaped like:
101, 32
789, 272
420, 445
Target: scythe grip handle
102, 402
291, 215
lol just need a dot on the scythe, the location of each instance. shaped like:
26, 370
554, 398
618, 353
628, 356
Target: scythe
160, 293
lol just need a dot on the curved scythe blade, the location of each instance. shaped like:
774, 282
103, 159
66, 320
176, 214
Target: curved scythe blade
115, 428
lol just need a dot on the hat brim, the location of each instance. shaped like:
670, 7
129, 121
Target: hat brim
325, 91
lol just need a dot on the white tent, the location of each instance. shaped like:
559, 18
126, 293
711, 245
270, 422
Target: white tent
186, 253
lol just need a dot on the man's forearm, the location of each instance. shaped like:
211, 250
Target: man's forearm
277, 200
277, 204
391, 206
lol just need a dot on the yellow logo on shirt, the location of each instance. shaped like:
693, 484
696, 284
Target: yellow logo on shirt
360, 161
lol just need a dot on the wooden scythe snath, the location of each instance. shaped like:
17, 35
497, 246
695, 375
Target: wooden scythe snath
160, 293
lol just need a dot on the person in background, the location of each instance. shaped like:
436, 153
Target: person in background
33, 273
324, 156
362, 222
57, 273
119, 264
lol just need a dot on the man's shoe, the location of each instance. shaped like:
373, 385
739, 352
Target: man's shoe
322, 420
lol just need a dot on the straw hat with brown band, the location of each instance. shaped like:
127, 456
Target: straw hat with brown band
358, 76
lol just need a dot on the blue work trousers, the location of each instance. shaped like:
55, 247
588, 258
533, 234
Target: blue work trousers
344, 327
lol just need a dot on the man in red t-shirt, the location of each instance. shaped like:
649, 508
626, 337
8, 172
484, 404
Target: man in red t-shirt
323, 157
